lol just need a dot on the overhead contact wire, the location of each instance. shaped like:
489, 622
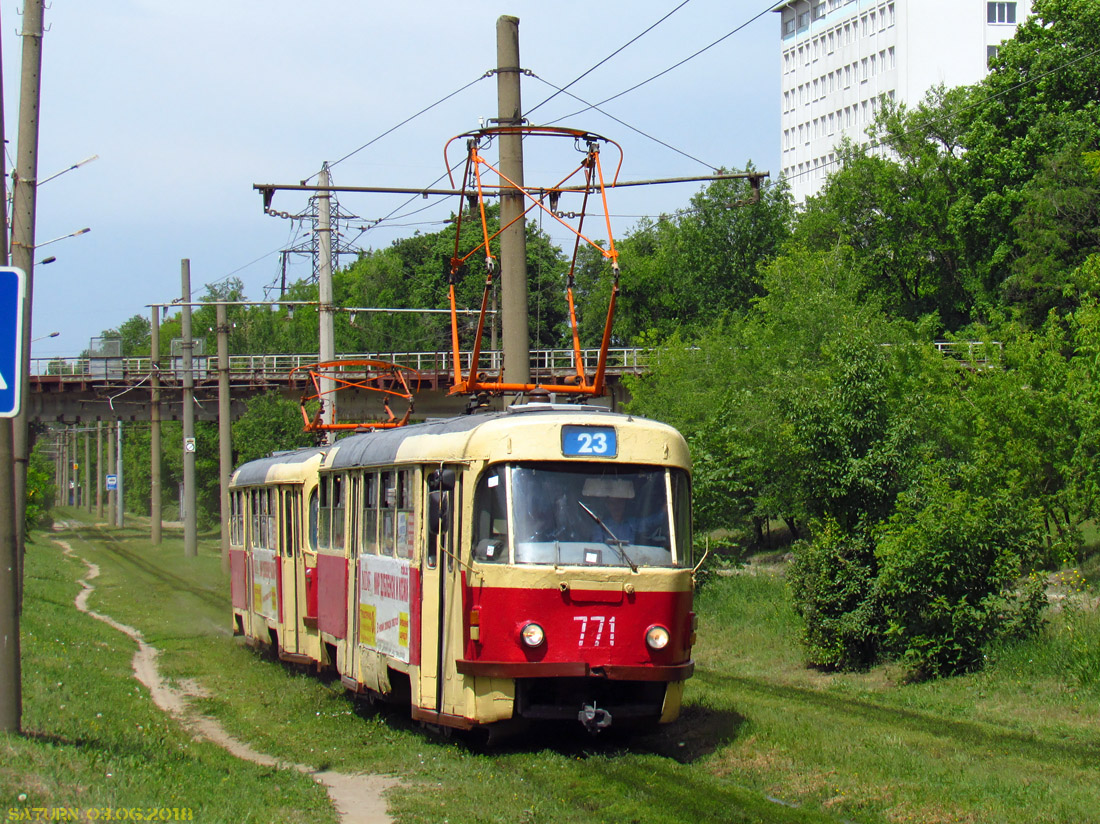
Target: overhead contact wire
617, 51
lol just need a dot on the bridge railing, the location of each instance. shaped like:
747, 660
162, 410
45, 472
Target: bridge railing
543, 362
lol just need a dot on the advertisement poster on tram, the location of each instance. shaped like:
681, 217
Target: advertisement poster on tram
384, 605
265, 583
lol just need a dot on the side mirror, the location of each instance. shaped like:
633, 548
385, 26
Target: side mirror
441, 479
439, 512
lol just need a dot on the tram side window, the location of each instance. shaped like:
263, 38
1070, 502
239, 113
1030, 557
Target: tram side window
263, 519
387, 502
325, 519
370, 513
236, 518
491, 518
681, 514
272, 521
406, 517
259, 520
337, 513
314, 515
254, 518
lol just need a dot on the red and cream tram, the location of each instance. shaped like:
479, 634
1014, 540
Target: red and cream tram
526, 564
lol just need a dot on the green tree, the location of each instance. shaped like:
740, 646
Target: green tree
688, 270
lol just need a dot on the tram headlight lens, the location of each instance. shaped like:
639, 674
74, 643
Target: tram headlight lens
656, 637
532, 635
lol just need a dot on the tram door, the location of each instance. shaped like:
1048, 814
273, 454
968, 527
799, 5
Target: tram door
441, 596
293, 574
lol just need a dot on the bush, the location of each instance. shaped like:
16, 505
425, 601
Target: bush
832, 581
950, 564
40, 490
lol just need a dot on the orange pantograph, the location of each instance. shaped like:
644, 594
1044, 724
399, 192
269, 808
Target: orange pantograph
388, 379
590, 171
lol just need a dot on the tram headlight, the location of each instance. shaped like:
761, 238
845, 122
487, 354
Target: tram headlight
656, 637
532, 635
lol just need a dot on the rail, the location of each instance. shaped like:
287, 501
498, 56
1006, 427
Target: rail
543, 362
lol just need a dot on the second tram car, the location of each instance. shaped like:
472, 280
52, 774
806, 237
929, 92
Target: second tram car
520, 565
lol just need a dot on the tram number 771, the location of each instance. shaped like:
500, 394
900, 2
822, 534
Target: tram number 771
596, 625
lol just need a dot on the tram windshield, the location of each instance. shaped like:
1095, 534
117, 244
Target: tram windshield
584, 514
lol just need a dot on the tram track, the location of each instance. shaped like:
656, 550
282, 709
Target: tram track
358, 798
112, 544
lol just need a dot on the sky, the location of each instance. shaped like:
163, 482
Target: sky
187, 105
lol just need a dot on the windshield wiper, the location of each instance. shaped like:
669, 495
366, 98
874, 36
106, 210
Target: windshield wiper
614, 542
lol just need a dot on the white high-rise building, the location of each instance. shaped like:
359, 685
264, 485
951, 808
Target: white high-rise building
842, 58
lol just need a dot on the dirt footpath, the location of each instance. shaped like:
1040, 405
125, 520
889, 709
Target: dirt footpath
358, 798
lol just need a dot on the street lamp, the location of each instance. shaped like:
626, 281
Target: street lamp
83, 231
44, 337
74, 166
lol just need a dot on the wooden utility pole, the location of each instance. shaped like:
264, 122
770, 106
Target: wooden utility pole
190, 516
513, 240
155, 514
324, 298
225, 433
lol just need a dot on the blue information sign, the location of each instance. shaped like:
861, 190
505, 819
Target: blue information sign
589, 441
11, 340
112, 483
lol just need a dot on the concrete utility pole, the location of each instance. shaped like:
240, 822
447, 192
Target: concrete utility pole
11, 671
190, 521
225, 433
87, 469
22, 252
112, 494
99, 470
513, 240
120, 496
324, 297
155, 515
66, 467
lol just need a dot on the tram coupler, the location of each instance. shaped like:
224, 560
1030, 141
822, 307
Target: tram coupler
593, 718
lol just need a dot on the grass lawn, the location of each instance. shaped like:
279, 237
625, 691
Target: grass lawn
763, 739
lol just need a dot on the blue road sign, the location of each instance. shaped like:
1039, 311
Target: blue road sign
112, 483
11, 340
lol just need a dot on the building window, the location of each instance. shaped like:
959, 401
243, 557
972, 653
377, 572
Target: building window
991, 52
818, 11
1001, 12
804, 21
788, 27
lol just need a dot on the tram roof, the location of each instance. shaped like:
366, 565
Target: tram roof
388, 446
259, 470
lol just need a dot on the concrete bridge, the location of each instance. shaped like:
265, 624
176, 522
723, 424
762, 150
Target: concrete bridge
74, 390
